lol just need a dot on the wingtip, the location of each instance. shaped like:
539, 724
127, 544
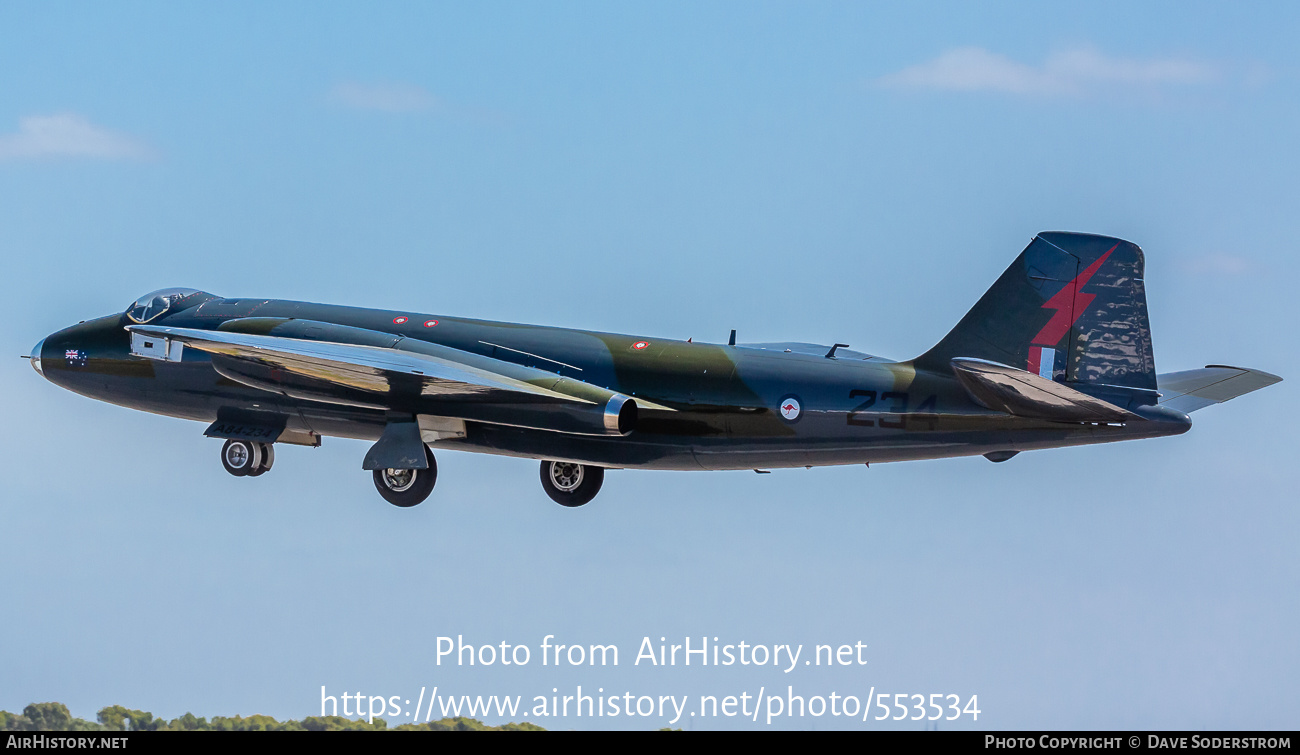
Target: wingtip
1268, 377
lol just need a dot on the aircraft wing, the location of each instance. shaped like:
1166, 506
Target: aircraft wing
376, 370
1190, 390
361, 367
1024, 394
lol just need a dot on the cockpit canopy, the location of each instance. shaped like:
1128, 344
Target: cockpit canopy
152, 305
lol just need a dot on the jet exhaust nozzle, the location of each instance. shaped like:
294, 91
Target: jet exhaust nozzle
620, 415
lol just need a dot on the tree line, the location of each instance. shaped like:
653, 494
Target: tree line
57, 717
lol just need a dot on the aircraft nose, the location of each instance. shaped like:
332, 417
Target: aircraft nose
36, 357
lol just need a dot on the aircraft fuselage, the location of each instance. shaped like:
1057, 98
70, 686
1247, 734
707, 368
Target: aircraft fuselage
722, 406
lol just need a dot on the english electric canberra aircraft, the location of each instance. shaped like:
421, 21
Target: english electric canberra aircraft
1056, 353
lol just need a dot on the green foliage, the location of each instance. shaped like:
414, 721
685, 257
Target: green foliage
252, 723
521, 726
48, 716
44, 717
467, 724
56, 717
339, 723
113, 717
188, 722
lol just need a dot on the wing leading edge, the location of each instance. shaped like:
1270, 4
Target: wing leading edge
409, 376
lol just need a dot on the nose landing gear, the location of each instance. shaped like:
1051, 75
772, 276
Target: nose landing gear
246, 458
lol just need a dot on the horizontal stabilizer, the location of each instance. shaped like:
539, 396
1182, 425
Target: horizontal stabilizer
1190, 390
1024, 394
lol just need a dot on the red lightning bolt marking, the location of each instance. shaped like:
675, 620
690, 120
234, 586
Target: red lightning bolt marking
1067, 302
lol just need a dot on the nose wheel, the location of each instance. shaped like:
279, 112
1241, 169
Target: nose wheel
246, 458
407, 487
570, 484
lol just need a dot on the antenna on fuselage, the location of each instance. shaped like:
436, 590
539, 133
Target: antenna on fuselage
732, 341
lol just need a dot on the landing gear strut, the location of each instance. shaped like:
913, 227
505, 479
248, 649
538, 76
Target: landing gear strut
246, 458
407, 487
570, 484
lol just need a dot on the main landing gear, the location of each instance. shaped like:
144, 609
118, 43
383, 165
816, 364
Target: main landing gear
247, 458
407, 487
567, 483
570, 484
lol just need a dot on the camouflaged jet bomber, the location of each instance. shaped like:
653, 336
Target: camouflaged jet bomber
1056, 353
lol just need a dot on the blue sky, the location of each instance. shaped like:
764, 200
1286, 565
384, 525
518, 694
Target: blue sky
825, 172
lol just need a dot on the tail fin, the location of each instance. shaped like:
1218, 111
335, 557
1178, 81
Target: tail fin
1071, 308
